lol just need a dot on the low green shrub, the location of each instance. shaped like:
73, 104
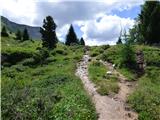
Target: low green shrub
50, 59
6, 64
40, 55
127, 57
61, 52
105, 47
94, 54
68, 58
28, 62
78, 58
53, 52
16, 56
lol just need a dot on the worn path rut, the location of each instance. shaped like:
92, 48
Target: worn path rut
108, 108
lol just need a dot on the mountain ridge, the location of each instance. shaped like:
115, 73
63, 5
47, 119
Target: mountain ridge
13, 27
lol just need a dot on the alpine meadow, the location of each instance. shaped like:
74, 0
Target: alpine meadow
80, 60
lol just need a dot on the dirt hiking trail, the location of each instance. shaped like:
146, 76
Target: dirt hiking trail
107, 108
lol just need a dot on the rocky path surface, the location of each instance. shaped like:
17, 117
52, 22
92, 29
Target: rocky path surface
108, 108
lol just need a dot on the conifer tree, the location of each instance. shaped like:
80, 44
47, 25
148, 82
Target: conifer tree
71, 37
4, 32
127, 55
48, 31
82, 42
120, 38
149, 22
25, 34
18, 35
119, 41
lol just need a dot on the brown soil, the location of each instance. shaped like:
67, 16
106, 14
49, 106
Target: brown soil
108, 108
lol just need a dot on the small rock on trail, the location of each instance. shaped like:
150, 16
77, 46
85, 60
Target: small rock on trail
106, 107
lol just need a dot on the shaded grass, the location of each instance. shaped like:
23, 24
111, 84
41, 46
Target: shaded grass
106, 84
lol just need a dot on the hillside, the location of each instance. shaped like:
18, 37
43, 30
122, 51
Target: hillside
13, 27
106, 68
33, 88
37, 84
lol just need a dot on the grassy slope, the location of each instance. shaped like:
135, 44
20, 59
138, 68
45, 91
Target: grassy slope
48, 91
106, 84
146, 98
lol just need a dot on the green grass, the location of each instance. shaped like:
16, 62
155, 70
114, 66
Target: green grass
128, 73
97, 50
146, 98
106, 84
44, 91
50, 89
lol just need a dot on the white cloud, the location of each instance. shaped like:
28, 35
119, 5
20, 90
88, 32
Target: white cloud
62, 31
84, 13
20, 11
105, 31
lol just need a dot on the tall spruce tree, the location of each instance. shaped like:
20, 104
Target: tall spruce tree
25, 34
119, 41
149, 22
82, 42
4, 32
119, 38
18, 35
48, 31
71, 37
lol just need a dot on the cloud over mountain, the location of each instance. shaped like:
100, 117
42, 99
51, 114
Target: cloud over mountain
95, 20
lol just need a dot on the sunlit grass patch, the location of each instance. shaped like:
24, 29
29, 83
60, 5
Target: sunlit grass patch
106, 84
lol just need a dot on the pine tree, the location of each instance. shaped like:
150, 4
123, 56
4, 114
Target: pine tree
125, 37
4, 32
48, 31
25, 34
71, 37
119, 38
127, 56
18, 35
82, 42
149, 22
119, 41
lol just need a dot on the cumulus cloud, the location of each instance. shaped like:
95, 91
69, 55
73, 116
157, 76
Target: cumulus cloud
20, 11
94, 17
106, 30
68, 12
62, 31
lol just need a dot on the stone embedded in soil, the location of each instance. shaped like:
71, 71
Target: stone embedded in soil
108, 108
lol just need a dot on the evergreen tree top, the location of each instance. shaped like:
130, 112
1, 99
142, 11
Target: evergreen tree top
25, 34
49, 23
71, 37
48, 31
82, 42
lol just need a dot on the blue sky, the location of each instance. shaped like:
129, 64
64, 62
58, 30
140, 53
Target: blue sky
97, 21
132, 13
